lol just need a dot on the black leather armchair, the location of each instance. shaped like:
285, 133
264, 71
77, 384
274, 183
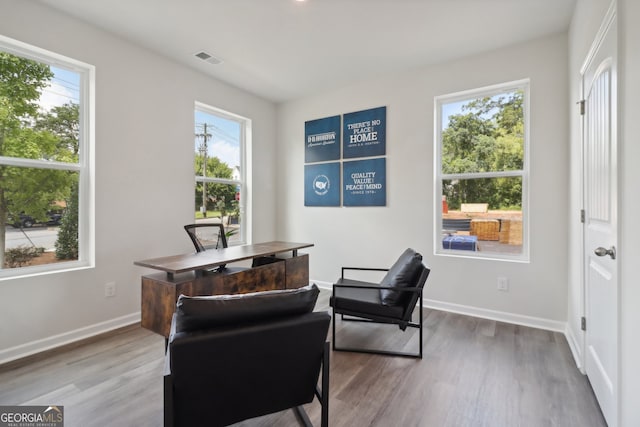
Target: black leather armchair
391, 301
236, 357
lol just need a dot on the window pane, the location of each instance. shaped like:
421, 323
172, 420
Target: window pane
39, 110
222, 205
484, 134
44, 131
42, 216
220, 139
488, 208
217, 143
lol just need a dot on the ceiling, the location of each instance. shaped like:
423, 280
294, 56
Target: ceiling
287, 49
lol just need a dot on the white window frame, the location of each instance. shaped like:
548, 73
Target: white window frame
85, 165
492, 90
245, 144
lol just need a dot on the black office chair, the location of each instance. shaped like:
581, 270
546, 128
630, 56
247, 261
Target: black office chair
391, 301
236, 357
207, 236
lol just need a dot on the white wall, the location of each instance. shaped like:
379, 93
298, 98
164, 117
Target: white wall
375, 236
144, 177
629, 89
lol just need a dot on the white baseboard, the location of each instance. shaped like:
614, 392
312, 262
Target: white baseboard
501, 316
48, 343
575, 347
323, 285
33, 347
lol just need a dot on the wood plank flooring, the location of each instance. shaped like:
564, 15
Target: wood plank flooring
475, 372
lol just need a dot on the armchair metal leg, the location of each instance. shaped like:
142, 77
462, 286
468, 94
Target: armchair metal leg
321, 394
333, 328
417, 355
324, 401
168, 401
420, 322
302, 416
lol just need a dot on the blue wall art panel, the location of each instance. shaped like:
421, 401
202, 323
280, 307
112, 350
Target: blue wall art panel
322, 139
365, 133
365, 182
322, 184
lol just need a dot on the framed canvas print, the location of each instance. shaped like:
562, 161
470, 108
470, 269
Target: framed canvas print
322, 140
322, 184
365, 182
365, 133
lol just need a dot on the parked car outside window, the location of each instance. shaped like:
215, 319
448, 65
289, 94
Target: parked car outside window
27, 221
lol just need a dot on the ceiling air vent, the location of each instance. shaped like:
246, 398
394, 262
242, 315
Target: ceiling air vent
208, 58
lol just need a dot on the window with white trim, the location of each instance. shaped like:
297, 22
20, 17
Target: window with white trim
481, 172
46, 109
220, 187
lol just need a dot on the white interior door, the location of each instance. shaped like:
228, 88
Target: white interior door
600, 226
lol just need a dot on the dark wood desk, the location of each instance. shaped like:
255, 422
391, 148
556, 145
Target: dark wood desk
276, 265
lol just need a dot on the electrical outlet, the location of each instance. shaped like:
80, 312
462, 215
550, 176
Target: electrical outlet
503, 284
110, 289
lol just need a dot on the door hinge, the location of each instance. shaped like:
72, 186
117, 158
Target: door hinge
581, 104
582, 215
583, 323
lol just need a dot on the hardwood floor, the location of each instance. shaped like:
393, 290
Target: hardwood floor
475, 372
